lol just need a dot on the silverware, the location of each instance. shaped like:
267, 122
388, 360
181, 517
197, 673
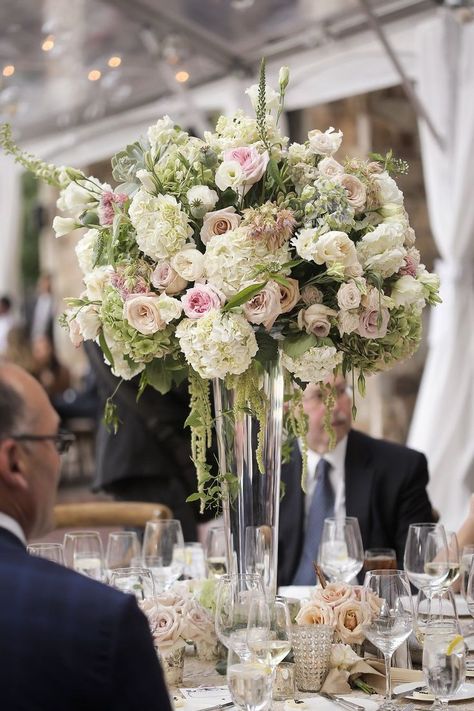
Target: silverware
218, 707
344, 703
407, 692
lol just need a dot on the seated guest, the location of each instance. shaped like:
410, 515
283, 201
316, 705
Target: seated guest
66, 642
381, 483
465, 533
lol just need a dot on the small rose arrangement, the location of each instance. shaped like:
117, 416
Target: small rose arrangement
342, 607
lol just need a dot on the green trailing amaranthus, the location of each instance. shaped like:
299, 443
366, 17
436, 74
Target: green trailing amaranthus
45, 171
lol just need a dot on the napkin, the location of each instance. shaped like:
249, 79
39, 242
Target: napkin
372, 672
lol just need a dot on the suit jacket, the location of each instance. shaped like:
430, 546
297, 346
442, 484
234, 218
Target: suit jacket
68, 642
385, 487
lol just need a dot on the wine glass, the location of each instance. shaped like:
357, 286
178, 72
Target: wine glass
194, 565
467, 555
123, 550
49, 551
449, 557
83, 553
425, 556
444, 663
437, 608
235, 596
250, 684
216, 559
269, 645
135, 581
392, 624
380, 559
163, 551
341, 553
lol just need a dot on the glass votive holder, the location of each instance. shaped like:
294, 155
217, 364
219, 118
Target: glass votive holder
284, 681
311, 650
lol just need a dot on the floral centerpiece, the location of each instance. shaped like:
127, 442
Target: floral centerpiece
212, 256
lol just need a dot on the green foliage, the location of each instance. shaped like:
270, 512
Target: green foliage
393, 166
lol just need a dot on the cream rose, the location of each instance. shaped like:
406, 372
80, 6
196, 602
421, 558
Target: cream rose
264, 307
219, 222
333, 594
356, 191
143, 313
330, 168
189, 264
315, 320
335, 247
289, 295
387, 189
315, 613
348, 296
166, 627
165, 278
351, 616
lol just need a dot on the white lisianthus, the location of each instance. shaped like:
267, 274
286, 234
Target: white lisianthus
201, 199
217, 344
162, 227
408, 291
146, 179
314, 365
64, 225
85, 250
342, 656
189, 264
89, 322
382, 250
387, 189
324, 143
229, 175
272, 97
430, 282
305, 243
76, 198
75, 333
96, 281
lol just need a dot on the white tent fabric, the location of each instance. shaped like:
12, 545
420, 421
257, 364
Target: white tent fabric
443, 423
10, 210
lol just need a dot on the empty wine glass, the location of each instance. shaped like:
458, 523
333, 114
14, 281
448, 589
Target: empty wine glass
467, 555
425, 556
123, 550
444, 663
49, 551
438, 608
392, 624
135, 581
448, 557
235, 596
341, 553
271, 643
163, 551
83, 553
215, 550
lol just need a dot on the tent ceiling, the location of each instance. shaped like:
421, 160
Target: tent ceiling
51, 89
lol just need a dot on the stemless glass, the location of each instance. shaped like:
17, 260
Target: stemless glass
83, 553
250, 684
444, 663
163, 551
135, 581
235, 597
269, 645
123, 550
425, 556
341, 553
392, 624
49, 551
437, 608
215, 551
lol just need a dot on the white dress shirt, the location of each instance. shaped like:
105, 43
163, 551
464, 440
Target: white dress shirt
13, 526
336, 459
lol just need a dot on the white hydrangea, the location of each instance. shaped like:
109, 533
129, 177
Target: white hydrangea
381, 251
85, 250
217, 344
231, 257
316, 364
162, 227
299, 153
122, 368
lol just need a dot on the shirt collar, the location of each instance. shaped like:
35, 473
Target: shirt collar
335, 457
13, 526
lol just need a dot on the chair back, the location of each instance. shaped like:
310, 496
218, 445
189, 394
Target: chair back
108, 513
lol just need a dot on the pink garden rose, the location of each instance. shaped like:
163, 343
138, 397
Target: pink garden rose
200, 299
252, 163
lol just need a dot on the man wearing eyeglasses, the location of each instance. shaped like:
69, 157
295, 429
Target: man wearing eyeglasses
66, 642
380, 483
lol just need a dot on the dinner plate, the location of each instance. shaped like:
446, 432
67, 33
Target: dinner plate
318, 703
465, 692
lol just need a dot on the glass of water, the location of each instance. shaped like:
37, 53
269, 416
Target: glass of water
83, 552
444, 663
135, 581
49, 551
163, 551
392, 624
341, 553
250, 684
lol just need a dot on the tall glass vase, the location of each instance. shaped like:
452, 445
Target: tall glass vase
251, 503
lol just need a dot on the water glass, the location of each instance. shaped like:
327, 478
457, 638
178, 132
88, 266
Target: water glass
425, 558
83, 553
163, 551
250, 685
49, 551
341, 553
444, 663
123, 550
467, 556
437, 608
392, 624
135, 581
215, 552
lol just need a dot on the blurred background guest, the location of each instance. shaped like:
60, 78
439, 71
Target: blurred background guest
6, 322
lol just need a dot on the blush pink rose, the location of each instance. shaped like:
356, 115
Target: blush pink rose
373, 322
333, 594
252, 163
166, 279
265, 306
314, 612
200, 299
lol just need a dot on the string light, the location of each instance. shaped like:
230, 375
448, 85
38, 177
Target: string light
94, 75
8, 70
114, 62
181, 76
48, 44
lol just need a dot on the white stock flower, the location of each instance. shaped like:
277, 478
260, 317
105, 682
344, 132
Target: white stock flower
201, 199
324, 143
387, 189
162, 227
189, 264
96, 280
217, 344
165, 278
161, 132
229, 175
408, 291
272, 97
85, 250
64, 225
316, 364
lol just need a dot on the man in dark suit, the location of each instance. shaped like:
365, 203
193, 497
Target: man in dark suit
66, 642
381, 483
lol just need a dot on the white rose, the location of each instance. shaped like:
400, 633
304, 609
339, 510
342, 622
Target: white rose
408, 291
201, 199
85, 250
324, 144
96, 281
219, 222
348, 296
76, 199
387, 189
143, 313
272, 97
146, 180
64, 225
229, 175
169, 308
330, 168
189, 264
333, 247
